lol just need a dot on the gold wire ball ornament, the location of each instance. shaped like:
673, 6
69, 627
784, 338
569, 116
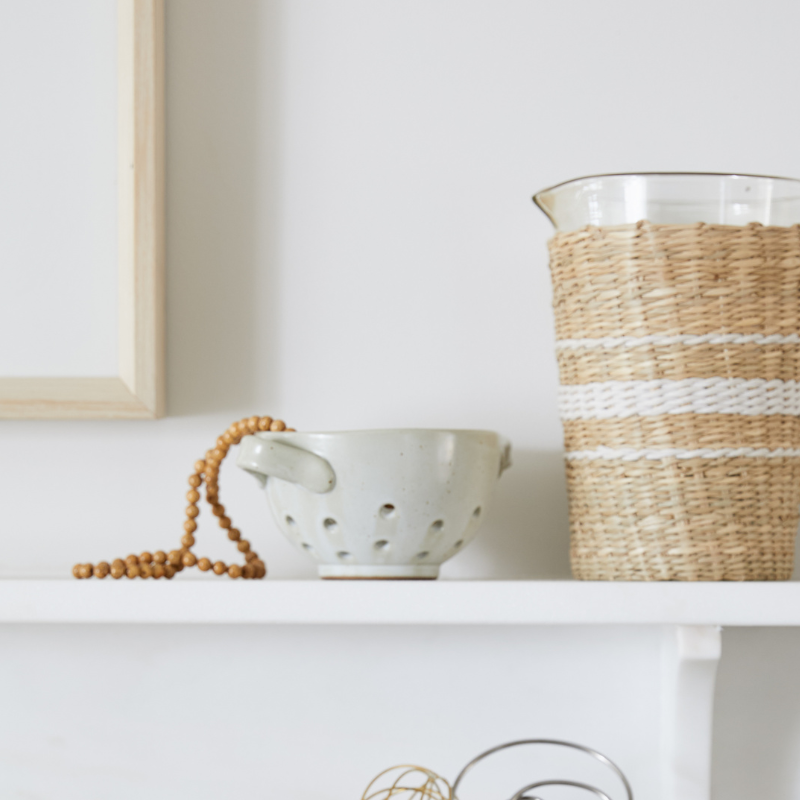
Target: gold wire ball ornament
409, 782
206, 470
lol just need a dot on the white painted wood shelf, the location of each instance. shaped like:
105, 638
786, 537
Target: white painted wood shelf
405, 602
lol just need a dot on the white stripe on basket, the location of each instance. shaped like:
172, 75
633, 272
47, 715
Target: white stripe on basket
608, 399
631, 454
610, 342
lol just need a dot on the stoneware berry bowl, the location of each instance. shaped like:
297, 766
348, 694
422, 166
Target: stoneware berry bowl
378, 504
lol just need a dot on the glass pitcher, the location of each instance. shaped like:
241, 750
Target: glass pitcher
677, 306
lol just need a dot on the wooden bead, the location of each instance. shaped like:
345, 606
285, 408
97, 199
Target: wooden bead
291, 430
206, 470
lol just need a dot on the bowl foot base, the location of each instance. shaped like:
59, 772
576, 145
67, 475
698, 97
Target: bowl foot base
371, 572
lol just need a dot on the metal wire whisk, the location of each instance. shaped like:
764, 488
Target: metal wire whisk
522, 793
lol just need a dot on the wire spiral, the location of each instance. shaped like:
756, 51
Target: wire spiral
404, 778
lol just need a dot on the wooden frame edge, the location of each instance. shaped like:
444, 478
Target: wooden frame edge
138, 391
69, 398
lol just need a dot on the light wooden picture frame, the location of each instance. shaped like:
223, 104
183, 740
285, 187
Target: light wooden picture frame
137, 392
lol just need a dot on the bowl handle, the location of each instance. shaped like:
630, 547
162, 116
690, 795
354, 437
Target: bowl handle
266, 458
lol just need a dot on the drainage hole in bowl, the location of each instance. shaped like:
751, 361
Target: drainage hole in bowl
477, 512
458, 544
388, 511
381, 544
307, 546
423, 554
344, 555
437, 526
331, 525
290, 521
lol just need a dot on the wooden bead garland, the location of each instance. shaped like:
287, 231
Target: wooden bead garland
167, 565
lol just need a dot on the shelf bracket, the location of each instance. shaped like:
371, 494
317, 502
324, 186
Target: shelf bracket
691, 654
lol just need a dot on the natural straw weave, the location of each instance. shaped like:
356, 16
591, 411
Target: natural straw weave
679, 358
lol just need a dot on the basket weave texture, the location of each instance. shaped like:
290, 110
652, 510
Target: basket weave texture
679, 358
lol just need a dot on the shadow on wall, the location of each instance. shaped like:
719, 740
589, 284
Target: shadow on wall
757, 719
526, 532
222, 189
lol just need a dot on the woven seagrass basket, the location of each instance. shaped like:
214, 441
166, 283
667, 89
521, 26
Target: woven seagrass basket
679, 359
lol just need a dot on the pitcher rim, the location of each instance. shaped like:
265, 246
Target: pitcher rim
653, 174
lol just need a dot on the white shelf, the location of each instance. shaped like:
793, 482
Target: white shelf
401, 602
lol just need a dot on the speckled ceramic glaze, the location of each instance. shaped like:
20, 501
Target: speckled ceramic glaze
378, 504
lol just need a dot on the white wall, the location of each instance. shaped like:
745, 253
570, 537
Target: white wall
351, 243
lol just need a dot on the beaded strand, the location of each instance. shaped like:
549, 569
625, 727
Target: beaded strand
166, 565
